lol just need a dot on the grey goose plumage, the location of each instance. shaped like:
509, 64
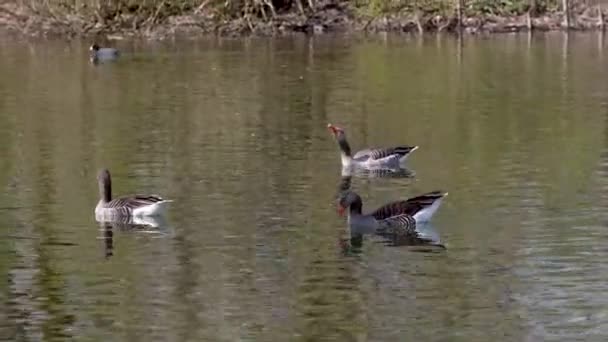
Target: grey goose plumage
389, 157
398, 218
125, 206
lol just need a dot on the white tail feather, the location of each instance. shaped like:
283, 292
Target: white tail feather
404, 158
425, 214
156, 209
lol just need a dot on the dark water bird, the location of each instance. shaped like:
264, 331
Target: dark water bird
99, 54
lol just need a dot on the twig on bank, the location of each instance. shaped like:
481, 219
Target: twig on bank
201, 6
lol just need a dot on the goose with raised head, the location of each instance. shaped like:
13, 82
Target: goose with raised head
109, 208
389, 157
397, 218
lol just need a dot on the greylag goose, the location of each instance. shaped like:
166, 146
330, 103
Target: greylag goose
397, 218
133, 205
390, 157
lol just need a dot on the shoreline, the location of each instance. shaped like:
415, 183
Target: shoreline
335, 18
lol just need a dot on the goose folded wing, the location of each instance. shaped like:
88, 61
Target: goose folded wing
410, 206
395, 209
381, 153
135, 201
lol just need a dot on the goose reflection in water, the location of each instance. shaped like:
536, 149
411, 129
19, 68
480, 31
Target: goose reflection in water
399, 172
150, 224
427, 236
428, 241
347, 174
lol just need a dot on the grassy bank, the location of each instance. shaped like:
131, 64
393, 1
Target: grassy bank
158, 18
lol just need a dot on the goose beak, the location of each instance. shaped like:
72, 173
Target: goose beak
333, 129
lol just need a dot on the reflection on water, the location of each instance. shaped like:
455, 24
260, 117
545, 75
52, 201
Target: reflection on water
235, 132
143, 225
401, 172
428, 236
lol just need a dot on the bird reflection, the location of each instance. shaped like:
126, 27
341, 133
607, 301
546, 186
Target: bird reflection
400, 172
159, 224
108, 238
347, 175
427, 236
130, 222
351, 245
97, 61
344, 186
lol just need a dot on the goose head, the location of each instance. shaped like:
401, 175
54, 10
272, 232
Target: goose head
350, 200
340, 137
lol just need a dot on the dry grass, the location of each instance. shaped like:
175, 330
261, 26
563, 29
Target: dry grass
92, 16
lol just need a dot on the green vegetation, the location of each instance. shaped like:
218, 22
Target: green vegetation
90, 16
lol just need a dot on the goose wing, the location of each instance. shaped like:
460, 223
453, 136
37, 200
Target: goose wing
410, 206
134, 201
381, 153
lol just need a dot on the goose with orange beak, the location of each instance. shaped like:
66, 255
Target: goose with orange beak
390, 157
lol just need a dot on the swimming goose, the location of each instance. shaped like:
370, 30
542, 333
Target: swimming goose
390, 157
133, 205
395, 218
98, 53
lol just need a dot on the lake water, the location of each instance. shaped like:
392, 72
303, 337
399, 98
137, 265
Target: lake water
234, 131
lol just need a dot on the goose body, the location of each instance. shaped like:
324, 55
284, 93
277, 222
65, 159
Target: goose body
370, 158
396, 218
126, 206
